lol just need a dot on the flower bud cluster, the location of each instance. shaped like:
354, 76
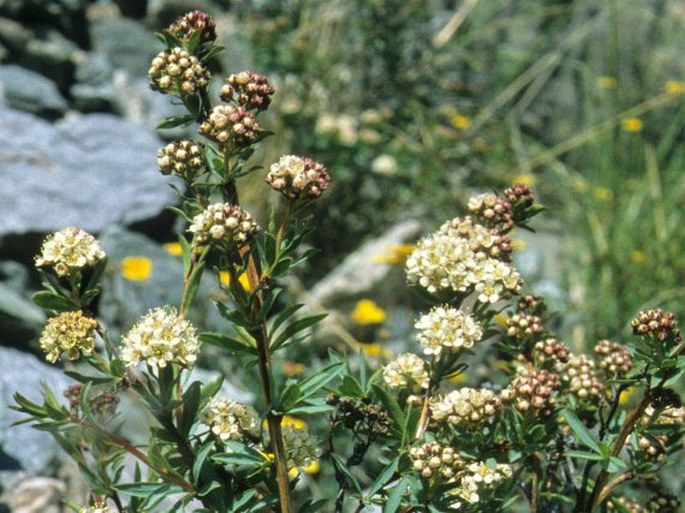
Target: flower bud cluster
658, 324
492, 210
530, 304
104, 405
231, 124
182, 158
177, 71
627, 504
71, 333
298, 177
448, 328
301, 447
188, 24
230, 420
406, 372
580, 377
69, 250
159, 338
433, 459
663, 501
655, 445
523, 325
484, 241
615, 358
369, 418
533, 391
466, 407
463, 257
98, 507
551, 352
224, 224
519, 194
247, 89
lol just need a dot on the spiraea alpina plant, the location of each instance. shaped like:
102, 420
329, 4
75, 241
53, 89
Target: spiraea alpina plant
548, 431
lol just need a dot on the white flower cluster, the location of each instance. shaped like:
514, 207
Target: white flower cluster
68, 250
228, 123
223, 223
461, 256
298, 177
230, 420
466, 407
431, 459
159, 338
478, 475
301, 447
446, 327
581, 378
71, 333
406, 371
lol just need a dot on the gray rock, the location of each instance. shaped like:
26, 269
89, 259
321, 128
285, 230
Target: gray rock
52, 55
24, 448
14, 35
93, 90
132, 8
93, 171
31, 92
362, 273
20, 319
35, 495
67, 16
128, 45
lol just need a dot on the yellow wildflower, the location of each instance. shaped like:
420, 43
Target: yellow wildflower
501, 319
225, 279
631, 125
397, 254
292, 421
458, 379
375, 351
366, 311
136, 268
173, 248
460, 122
518, 244
638, 257
525, 178
607, 82
313, 467
603, 193
626, 396
674, 87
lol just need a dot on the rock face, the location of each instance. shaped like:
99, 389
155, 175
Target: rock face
91, 171
24, 448
28, 91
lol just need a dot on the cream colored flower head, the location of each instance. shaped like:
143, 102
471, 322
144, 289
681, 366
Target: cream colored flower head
407, 371
98, 507
298, 177
69, 250
463, 257
448, 328
466, 407
159, 338
301, 447
224, 224
71, 333
230, 420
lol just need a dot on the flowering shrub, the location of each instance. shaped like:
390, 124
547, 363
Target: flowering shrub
547, 432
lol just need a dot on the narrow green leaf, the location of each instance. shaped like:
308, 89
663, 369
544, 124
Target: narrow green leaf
53, 302
290, 396
384, 477
582, 433
296, 327
342, 468
395, 496
396, 414
312, 384
175, 121
583, 455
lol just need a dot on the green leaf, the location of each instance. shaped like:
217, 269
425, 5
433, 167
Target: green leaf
230, 344
242, 499
342, 468
191, 403
83, 378
238, 454
384, 477
395, 496
175, 121
583, 455
312, 384
284, 316
290, 396
313, 507
192, 284
351, 387
209, 390
146, 489
53, 302
582, 433
311, 409
297, 326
